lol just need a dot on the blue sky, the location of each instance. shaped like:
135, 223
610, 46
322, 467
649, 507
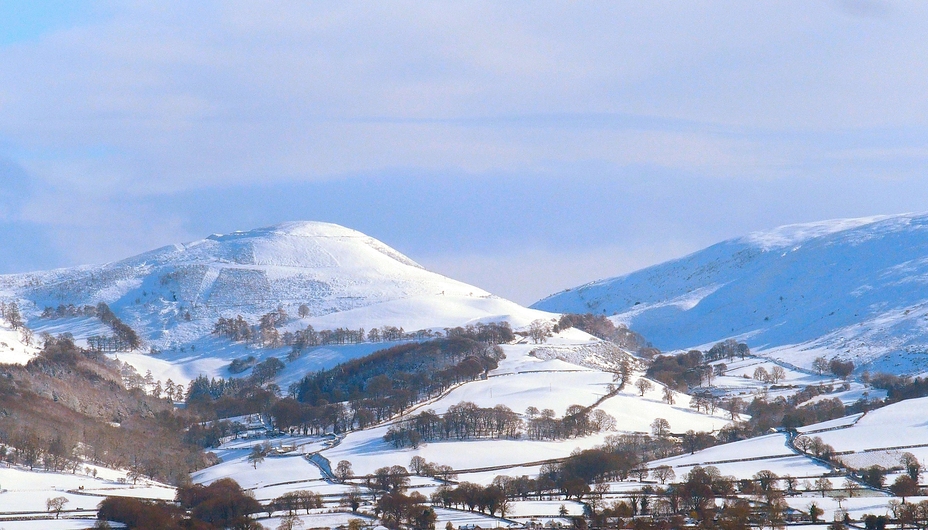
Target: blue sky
522, 147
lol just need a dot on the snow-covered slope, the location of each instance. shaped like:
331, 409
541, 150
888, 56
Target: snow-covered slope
13, 350
855, 288
345, 278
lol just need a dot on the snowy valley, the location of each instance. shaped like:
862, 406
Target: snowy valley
340, 384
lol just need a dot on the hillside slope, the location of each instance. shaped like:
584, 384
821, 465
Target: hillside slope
174, 295
855, 288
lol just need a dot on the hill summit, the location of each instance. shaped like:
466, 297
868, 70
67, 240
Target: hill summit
338, 276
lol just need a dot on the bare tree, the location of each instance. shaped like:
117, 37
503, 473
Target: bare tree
290, 522
643, 385
734, 405
822, 485
820, 364
851, 487
660, 427
622, 374
343, 470
663, 473
777, 374
258, 453
668, 395
911, 464
56, 504
761, 374
417, 464
539, 331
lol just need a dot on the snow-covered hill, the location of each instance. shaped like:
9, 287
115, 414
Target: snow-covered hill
173, 296
854, 288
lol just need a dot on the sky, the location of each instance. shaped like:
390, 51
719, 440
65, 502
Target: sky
524, 147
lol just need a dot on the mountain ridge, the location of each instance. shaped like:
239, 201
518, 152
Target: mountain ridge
174, 294
850, 288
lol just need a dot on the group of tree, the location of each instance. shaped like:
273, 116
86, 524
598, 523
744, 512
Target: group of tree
69, 311
685, 371
395, 508
487, 333
123, 338
169, 390
679, 372
492, 499
897, 387
212, 399
790, 413
293, 501
387, 381
577, 421
289, 414
399, 510
461, 422
262, 372
703, 494
466, 420
424, 468
354, 394
620, 457
814, 446
774, 376
241, 364
223, 504
837, 367
27, 448
266, 333
904, 514
727, 349
601, 327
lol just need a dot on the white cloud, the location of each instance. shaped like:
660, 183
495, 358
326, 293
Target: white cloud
185, 96
113, 117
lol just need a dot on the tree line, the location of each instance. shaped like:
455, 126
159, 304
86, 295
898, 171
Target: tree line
123, 338
466, 420
386, 381
265, 333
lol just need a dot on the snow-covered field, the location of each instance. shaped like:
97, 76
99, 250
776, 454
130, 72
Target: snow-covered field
26, 491
12, 349
882, 435
745, 458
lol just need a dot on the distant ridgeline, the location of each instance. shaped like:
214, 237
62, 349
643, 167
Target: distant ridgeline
123, 338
